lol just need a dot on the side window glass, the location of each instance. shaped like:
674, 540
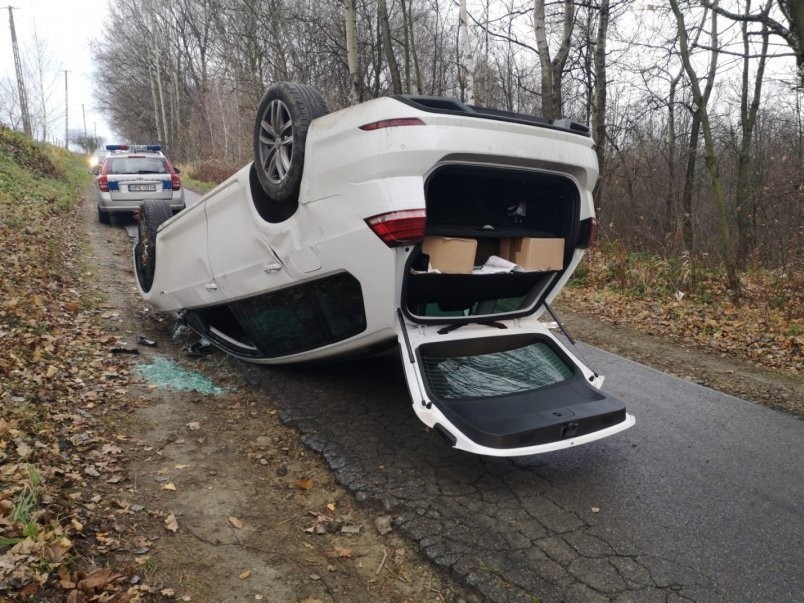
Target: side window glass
305, 316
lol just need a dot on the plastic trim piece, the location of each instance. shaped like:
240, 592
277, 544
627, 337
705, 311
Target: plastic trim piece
449, 106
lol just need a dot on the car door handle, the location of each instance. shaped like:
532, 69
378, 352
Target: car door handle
273, 268
212, 287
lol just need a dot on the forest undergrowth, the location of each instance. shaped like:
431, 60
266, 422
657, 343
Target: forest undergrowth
686, 302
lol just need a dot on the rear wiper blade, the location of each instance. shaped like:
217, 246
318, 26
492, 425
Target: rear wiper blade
488, 323
149, 172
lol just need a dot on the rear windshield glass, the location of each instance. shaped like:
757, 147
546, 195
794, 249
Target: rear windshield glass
137, 165
497, 374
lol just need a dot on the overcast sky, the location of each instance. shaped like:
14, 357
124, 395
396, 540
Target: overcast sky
67, 26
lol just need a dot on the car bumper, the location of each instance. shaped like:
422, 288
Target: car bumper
108, 205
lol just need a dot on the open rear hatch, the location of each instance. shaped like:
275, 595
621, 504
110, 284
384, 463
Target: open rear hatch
487, 376
505, 392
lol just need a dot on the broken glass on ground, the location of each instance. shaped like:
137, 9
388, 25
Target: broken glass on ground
165, 373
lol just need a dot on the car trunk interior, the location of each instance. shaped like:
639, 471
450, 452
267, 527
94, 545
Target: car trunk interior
527, 217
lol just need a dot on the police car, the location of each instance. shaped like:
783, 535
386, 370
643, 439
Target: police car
423, 223
131, 174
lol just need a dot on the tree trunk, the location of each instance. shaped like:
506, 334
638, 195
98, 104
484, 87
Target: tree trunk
670, 214
350, 19
393, 65
599, 99
746, 234
406, 44
709, 143
689, 183
468, 55
552, 70
155, 102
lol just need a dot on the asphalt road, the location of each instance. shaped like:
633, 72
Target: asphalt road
702, 500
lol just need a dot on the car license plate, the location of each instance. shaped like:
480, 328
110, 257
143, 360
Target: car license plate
141, 188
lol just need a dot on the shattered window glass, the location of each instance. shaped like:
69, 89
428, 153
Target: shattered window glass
496, 374
305, 316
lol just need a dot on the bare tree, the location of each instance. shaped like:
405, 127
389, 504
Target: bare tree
553, 68
701, 101
792, 32
599, 96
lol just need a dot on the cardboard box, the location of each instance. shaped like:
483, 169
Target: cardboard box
534, 254
451, 255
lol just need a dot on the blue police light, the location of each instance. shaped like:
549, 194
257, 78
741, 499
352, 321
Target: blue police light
133, 147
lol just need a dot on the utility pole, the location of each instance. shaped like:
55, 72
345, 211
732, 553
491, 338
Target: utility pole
26, 117
66, 114
84, 113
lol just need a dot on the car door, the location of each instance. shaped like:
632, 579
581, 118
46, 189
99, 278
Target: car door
243, 262
504, 388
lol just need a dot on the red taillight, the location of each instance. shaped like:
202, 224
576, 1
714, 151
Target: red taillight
592, 233
392, 123
399, 227
589, 233
103, 181
174, 177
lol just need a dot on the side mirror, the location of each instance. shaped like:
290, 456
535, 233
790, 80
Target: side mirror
177, 170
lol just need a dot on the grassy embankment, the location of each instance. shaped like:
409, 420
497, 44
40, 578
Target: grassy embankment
56, 382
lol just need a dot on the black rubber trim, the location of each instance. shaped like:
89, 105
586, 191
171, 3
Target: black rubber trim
546, 415
200, 326
451, 106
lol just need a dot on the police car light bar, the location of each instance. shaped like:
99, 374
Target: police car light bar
133, 147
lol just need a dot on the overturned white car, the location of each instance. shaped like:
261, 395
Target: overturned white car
420, 221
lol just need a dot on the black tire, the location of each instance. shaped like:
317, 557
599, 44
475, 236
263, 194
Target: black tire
280, 133
104, 217
152, 214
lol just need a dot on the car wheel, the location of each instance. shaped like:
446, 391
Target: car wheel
152, 214
104, 217
280, 133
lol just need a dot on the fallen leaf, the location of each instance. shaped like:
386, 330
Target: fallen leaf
595, 509
236, 523
331, 506
169, 486
182, 466
23, 450
304, 484
194, 426
98, 579
76, 596
171, 523
245, 575
342, 552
